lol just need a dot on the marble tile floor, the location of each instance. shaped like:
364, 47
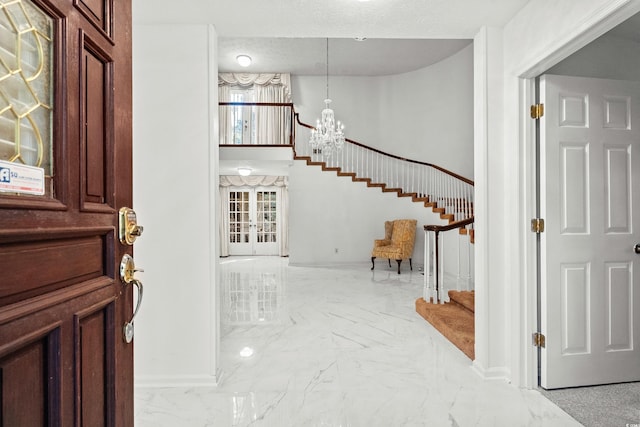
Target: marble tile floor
337, 347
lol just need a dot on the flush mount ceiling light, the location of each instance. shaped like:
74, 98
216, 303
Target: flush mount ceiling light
243, 60
244, 171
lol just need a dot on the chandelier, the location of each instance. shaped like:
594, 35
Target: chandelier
327, 136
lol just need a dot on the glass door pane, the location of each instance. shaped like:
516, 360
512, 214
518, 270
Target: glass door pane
239, 222
267, 221
26, 87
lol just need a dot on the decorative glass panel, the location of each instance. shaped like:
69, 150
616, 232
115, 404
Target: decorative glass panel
266, 215
26, 82
238, 217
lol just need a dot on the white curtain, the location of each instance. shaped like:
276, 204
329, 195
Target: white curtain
256, 80
224, 221
227, 181
226, 126
272, 123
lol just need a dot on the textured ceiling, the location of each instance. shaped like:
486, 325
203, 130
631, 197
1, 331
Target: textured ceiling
371, 57
287, 35
406, 19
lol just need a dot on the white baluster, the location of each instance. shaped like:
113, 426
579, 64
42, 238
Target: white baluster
441, 290
425, 292
458, 275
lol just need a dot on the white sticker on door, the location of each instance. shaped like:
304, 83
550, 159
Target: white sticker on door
23, 179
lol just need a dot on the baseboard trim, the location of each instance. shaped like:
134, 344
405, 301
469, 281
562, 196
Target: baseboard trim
164, 381
493, 374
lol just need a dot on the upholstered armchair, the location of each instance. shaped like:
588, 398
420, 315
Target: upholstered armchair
399, 238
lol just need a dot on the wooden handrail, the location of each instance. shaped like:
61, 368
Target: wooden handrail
255, 145
451, 226
441, 169
257, 104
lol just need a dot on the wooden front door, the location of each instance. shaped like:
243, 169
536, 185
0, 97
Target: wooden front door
65, 107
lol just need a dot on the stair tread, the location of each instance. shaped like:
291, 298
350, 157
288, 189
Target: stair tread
452, 321
465, 299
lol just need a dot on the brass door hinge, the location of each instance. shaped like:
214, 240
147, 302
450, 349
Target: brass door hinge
537, 225
539, 340
537, 111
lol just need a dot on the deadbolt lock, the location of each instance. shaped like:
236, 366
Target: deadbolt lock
128, 226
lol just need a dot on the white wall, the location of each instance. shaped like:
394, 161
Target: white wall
174, 172
423, 115
607, 58
490, 210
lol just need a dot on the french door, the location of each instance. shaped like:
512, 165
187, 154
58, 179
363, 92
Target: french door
254, 221
590, 257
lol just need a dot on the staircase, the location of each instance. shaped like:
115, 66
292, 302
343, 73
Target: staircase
446, 193
454, 320
415, 197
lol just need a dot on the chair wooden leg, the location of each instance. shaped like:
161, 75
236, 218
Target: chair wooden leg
410, 265
399, 261
372, 263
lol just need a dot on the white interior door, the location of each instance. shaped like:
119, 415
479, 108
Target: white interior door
590, 278
254, 221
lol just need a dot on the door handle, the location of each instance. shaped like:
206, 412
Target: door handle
636, 248
127, 273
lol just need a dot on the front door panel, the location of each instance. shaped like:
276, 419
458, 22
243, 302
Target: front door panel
62, 305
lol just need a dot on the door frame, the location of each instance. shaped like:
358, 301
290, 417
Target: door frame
597, 25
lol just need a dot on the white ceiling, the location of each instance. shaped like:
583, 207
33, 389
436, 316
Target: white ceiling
407, 19
289, 35
371, 57
308, 56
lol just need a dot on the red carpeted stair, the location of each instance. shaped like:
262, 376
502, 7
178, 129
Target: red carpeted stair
454, 320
